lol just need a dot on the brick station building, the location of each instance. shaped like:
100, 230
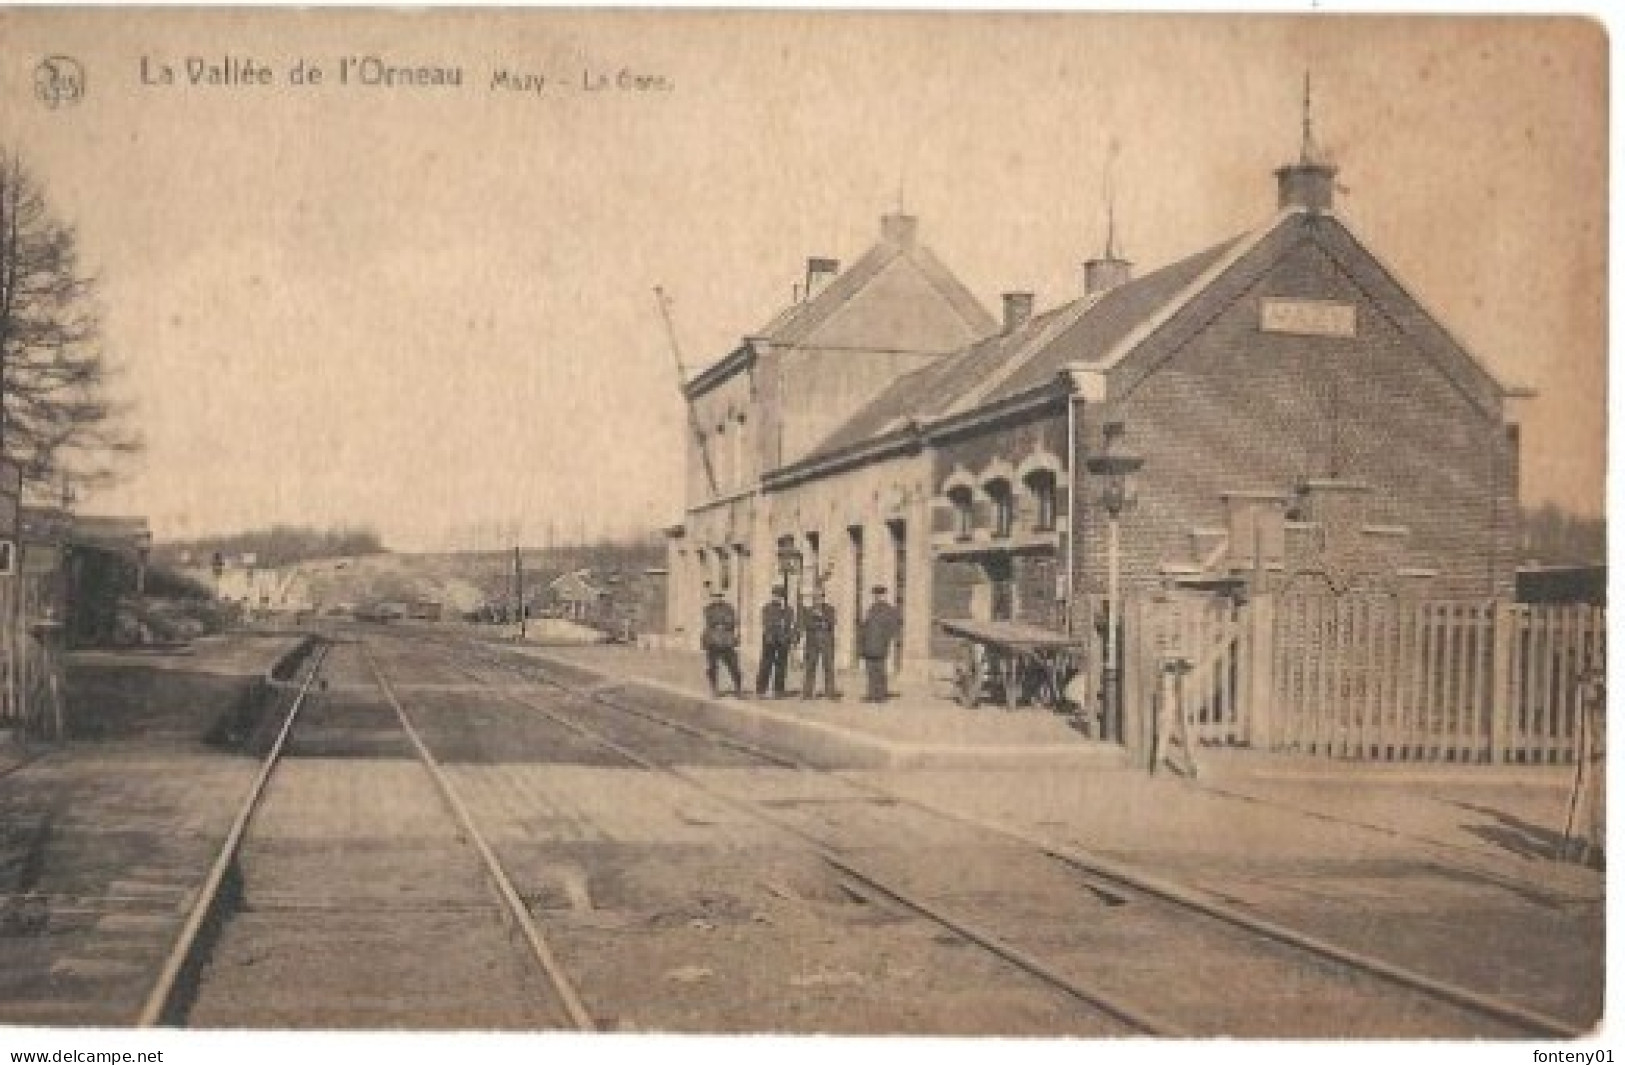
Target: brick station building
782, 391
1304, 423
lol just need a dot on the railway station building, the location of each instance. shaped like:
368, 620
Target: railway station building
778, 395
1301, 421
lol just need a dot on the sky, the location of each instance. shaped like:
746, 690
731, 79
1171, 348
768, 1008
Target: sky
429, 309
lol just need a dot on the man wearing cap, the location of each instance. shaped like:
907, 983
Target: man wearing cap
778, 633
818, 629
720, 639
880, 627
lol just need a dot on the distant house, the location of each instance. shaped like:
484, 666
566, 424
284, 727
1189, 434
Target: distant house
575, 596
426, 610
81, 566
258, 589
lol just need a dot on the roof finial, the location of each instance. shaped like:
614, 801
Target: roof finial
1111, 269
1111, 215
902, 185
1309, 154
1310, 184
1110, 191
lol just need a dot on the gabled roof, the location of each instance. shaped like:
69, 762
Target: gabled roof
1091, 335
1102, 331
574, 585
799, 322
933, 389
1026, 357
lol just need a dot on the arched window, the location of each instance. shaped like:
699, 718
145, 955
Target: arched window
1004, 510
1041, 489
964, 512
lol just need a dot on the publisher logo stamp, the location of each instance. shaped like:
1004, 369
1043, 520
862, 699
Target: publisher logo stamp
59, 81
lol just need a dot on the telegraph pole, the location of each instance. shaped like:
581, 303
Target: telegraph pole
519, 587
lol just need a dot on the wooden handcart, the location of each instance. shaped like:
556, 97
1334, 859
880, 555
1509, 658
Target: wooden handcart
1012, 663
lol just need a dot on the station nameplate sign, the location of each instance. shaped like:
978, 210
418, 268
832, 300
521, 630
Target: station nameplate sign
1316, 318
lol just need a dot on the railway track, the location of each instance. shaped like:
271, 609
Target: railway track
1299, 964
365, 911
281, 908
1100, 1014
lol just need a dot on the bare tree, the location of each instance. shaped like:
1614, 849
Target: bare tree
56, 419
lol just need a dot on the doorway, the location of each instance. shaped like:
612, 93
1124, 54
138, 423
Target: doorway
1002, 586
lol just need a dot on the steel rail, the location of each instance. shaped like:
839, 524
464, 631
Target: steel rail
160, 999
24, 762
1126, 1013
1452, 856
540, 951
1179, 895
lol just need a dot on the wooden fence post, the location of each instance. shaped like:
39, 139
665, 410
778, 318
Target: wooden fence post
1260, 695
1503, 632
13, 643
1133, 720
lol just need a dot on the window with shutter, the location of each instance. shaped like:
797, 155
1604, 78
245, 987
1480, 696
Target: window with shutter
998, 493
1041, 500
964, 512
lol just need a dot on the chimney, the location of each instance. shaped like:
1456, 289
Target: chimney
1107, 272
1310, 184
1018, 307
898, 228
1307, 186
820, 272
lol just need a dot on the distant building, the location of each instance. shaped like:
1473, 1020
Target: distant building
81, 565
575, 595
1563, 584
267, 589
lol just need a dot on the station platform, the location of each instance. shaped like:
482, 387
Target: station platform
1386, 858
1030, 767
109, 832
913, 729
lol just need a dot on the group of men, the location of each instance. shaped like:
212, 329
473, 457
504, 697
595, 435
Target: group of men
812, 625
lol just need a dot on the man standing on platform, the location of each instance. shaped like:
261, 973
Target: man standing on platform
880, 627
818, 629
778, 633
720, 639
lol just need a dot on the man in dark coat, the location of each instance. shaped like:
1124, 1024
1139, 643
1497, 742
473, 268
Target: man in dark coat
818, 629
720, 639
778, 633
880, 627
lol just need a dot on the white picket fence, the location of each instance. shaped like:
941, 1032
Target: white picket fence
30, 694
1373, 678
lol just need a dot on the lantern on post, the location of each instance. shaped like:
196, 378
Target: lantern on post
1114, 467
